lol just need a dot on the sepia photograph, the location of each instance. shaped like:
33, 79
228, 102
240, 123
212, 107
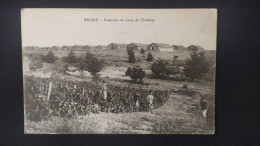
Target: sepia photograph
119, 71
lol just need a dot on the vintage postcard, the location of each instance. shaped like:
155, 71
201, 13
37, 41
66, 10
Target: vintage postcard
119, 71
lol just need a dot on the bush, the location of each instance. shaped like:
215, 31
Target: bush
35, 61
49, 58
149, 57
135, 74
187, 92
35, 110
131, 57
71, 58
197, 66
35, 64
35, 107
91, 63
60, 68
163, 68
159, 68
175, 67
128, 71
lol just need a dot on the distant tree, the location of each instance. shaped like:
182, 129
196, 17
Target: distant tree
196, 66
149, 57
142, 51
131, 56
70, 58
91, 63
81, 65
49, 58
140, 74
136, 73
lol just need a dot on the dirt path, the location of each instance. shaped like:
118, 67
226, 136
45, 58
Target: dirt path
180, 114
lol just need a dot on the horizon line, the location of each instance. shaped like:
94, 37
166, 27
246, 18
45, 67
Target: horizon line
106, 45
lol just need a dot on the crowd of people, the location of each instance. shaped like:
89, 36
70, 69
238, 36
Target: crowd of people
70, 98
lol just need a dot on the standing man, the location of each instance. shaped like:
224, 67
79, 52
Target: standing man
204, 107
150, 99
136, 98
104, 90
137, 106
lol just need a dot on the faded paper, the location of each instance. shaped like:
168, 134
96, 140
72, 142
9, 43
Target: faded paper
119, 71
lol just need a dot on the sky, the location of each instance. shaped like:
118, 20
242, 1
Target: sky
58, 27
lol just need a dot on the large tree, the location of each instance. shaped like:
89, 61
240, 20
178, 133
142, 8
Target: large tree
160, 68
49, 58
131, 56
196, 66
70, 58
128, 71
149, 57
135, 73
91, 64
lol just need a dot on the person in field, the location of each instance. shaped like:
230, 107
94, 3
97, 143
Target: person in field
204, 107
150, 99
104, 90
137, 106
136, 98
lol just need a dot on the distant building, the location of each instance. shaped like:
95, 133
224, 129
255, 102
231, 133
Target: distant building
66, 48
89, 47
101, 47
86, 48
55, 48
160, 47
32, 48
78, 48
195, 48
47, 48
178, 48
136, 46
114, 46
